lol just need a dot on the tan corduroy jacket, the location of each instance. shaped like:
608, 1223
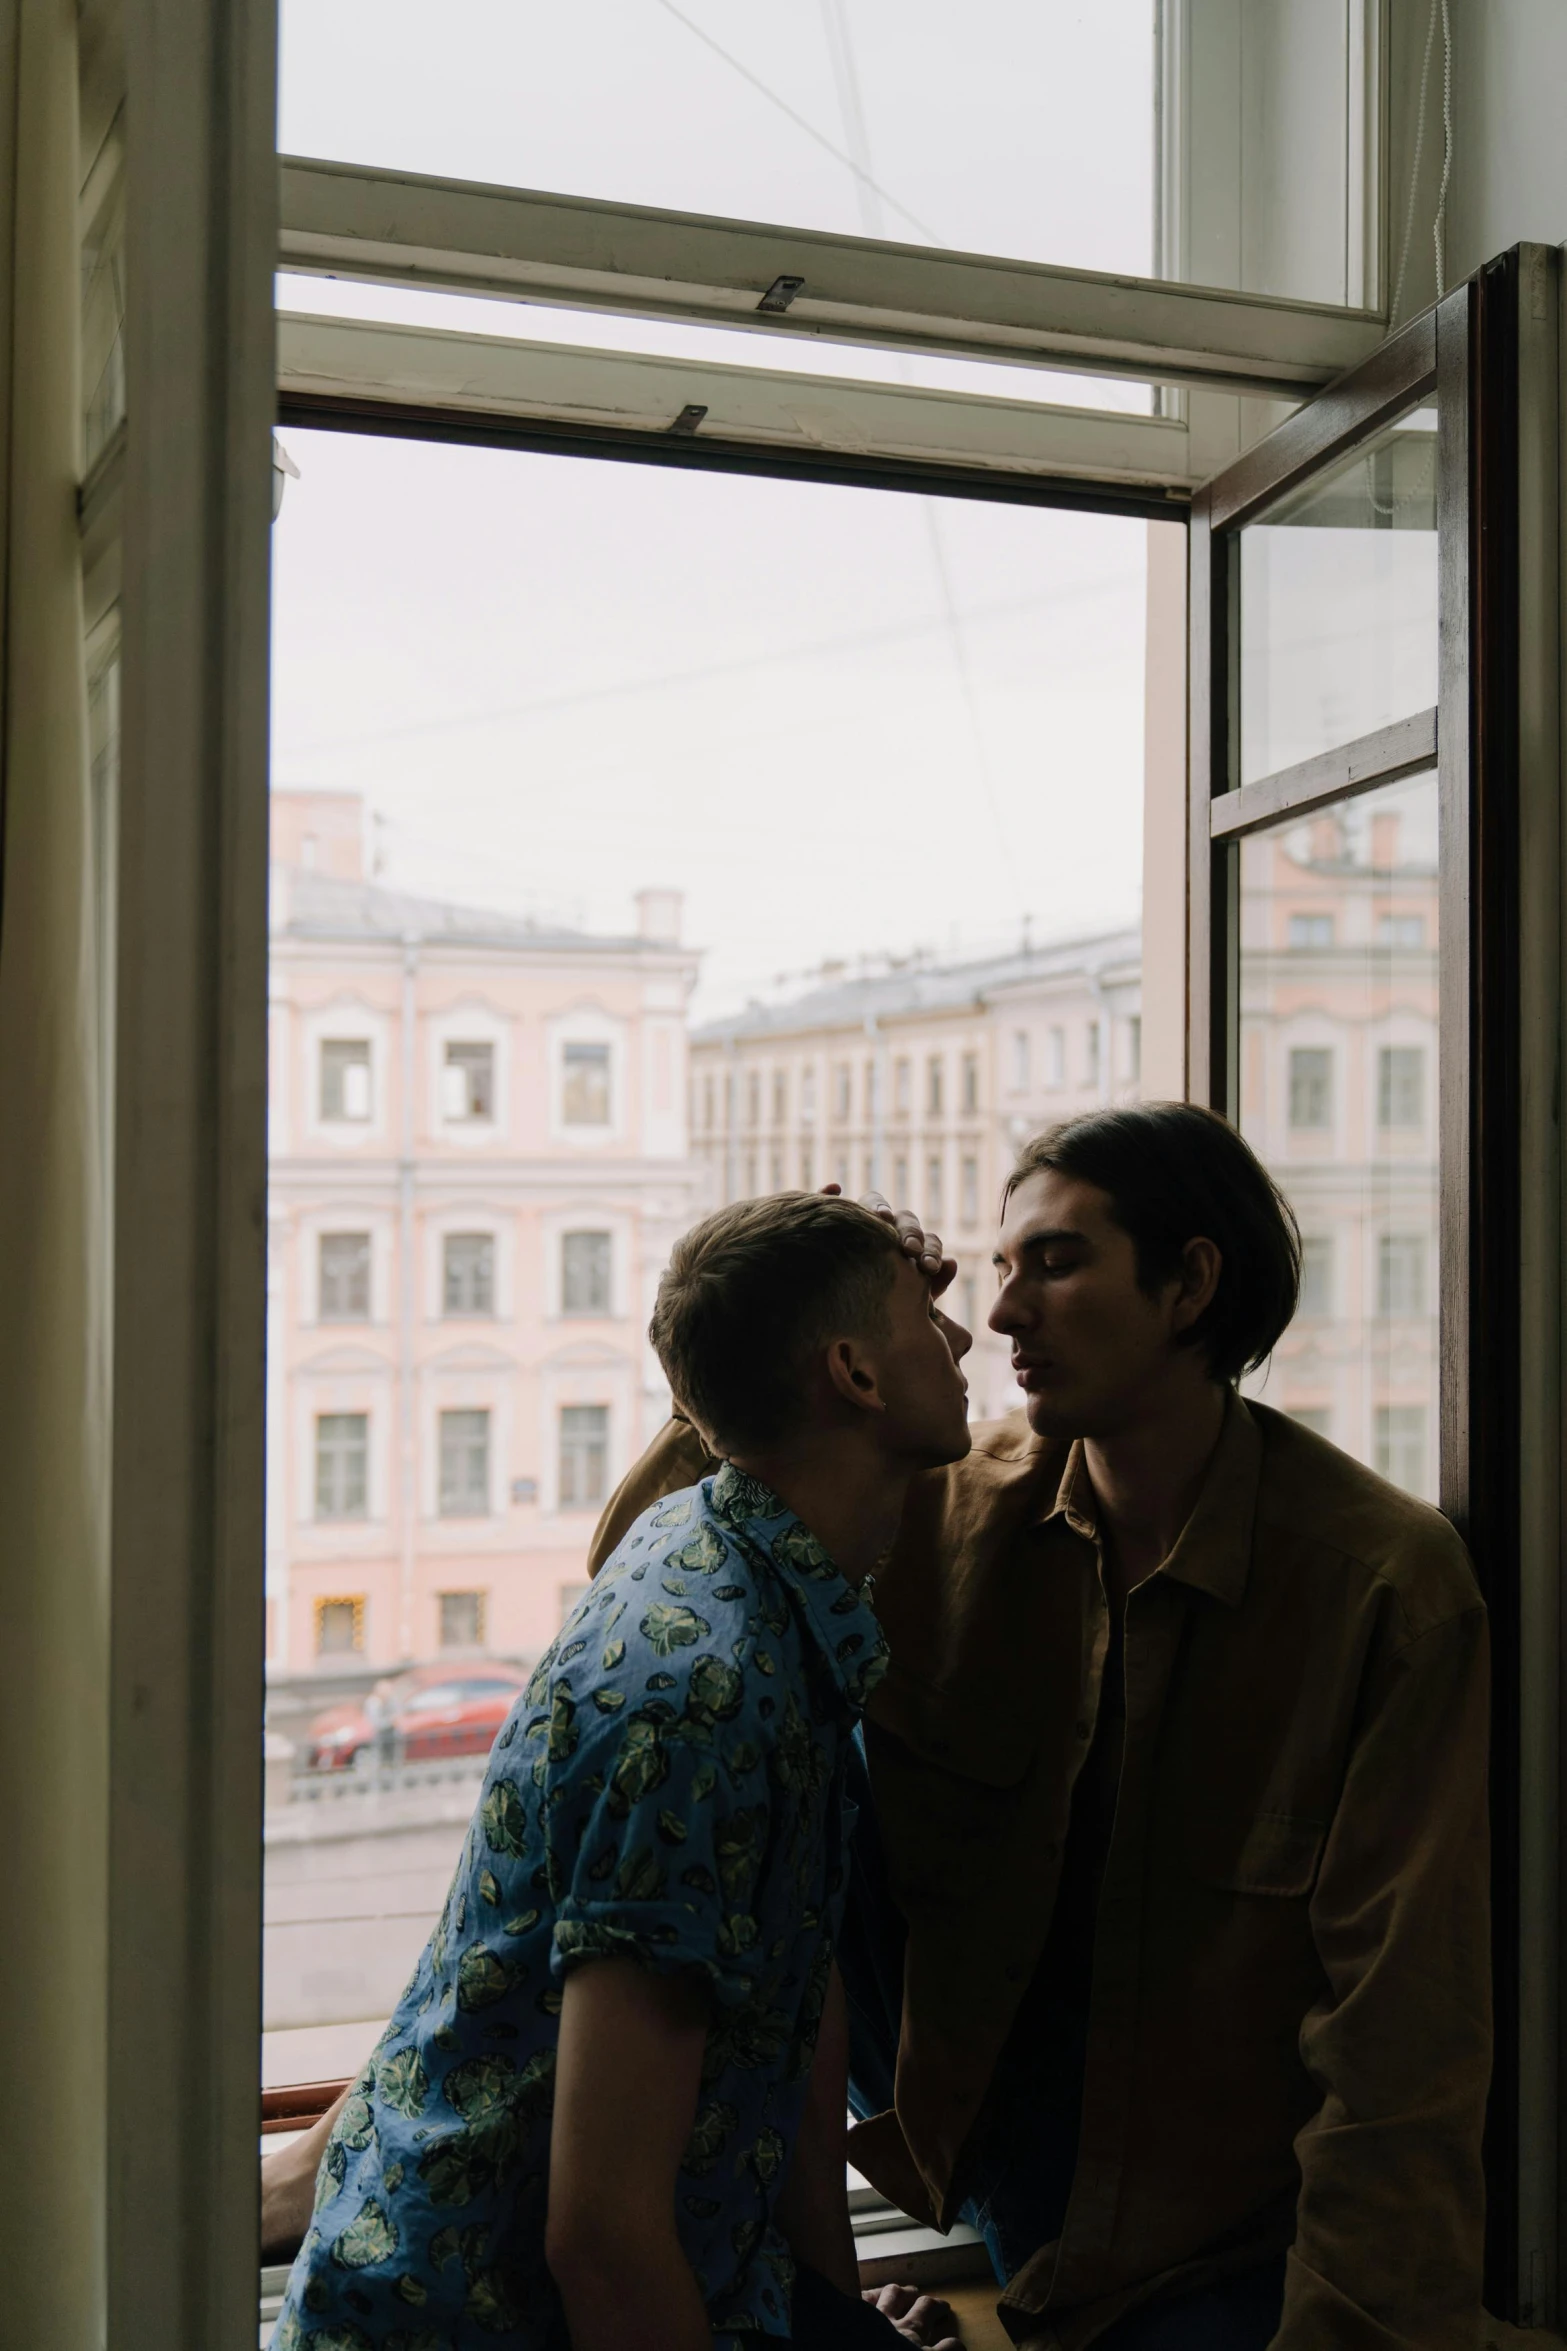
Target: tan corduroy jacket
1289, 2041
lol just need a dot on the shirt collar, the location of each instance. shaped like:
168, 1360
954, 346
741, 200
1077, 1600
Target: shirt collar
841, 1620
1213, 1550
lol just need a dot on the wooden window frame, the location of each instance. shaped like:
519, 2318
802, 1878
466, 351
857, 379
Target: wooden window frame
1489, 354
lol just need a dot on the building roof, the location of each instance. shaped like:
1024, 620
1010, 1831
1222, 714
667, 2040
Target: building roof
319, 906
894, 993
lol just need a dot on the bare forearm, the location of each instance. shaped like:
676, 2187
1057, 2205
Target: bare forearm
813, 2213
633, 2288
288, 2185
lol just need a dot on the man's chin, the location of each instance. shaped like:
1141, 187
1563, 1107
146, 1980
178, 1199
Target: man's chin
1049, 1415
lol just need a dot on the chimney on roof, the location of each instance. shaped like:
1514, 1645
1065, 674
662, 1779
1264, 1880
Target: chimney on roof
320, 832
658, 915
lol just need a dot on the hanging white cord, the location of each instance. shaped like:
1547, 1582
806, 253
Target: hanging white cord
1439, 223
1414, 169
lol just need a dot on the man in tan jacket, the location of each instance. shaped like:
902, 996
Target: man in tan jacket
1168, 1948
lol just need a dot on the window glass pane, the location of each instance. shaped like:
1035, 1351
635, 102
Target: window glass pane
468, 1082
497, 757
1006, 127
462, 1620
584, 1455
468, 1261
584, 1271
1338, 1061
345, 1079
585, 1088
465, 1464
1338, 607
345, 1277
342, 1455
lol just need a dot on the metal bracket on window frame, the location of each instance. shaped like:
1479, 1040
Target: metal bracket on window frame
340, 220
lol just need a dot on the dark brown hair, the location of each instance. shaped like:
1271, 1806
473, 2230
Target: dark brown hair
748, 1294
1176, 1172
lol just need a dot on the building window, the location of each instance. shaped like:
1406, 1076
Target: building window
933, 1207
1055, 1058
1401, 930
968, 1294
342, 1464
462, 1619
1020, 1060
780, 1098
345, 1277
970, 1084
1311, 930
750, 1177
841, 1173
1091, 1054
900, 1182
1401, 1274
345, 1079
808, 1096
465, 1464
570, 1594
1311, 1085
340, 1627
468, 1273
807, 1167
753, 1097
776, 1176
468, 1082
708, 1102
868, 1173
584, 1456
1316, 1417
933, 1086
902, 1086
872, 1090
842, 1091
969, 1202
1401, 1445
585, 1086
584, 1273
1316, 1275
1134, 1048
1401, 1086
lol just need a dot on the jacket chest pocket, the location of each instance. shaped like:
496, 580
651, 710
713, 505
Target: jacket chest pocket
1262, 1853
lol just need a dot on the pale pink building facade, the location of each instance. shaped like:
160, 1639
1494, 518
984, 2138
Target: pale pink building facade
479, 1160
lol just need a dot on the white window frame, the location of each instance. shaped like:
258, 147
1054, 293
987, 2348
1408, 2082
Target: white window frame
348, 1019
588, 1024
469, 1022
477, 1216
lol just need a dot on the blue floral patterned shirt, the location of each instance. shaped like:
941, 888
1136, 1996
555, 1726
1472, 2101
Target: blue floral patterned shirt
669, 1788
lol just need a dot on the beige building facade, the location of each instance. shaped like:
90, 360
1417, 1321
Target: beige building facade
920, 1080
478, 1162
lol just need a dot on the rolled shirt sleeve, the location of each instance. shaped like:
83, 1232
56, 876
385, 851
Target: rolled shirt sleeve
666, 1866
1390, 2221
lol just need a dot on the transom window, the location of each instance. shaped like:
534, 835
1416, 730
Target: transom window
345, 1277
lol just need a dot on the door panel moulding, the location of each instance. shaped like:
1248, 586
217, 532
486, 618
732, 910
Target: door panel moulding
359, 375
340, 220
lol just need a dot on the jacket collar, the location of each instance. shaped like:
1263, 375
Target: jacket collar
1213, 1550
840, 1619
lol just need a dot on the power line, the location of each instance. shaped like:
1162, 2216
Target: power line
799, 120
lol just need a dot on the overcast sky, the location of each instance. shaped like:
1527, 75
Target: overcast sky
841, 720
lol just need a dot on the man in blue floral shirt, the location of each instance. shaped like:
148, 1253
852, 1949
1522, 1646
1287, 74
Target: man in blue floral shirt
597, 2116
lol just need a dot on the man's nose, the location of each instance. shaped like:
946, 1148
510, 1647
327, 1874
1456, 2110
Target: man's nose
1006, 1316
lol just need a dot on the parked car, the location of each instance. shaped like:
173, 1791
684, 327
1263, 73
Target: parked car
429, 1711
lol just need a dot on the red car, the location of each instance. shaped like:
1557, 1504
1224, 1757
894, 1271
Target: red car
432, 1710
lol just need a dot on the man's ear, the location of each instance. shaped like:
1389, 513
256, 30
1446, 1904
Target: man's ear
1201, 1265
853, 1375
